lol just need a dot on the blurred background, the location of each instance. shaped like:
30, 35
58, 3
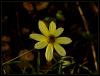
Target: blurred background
19, 19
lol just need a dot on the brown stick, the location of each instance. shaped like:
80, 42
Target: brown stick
87, 30
16, 57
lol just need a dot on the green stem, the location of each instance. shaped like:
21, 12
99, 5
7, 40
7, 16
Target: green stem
38, 63
72, 71
24, 69
60, 67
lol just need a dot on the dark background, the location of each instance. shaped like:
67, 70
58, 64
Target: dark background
73, 25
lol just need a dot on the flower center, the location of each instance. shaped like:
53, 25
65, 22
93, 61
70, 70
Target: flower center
51, 39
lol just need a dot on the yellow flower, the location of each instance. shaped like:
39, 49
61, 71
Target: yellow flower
50, 39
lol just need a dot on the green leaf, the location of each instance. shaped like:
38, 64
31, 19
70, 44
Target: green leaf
59, 15
47, 18
87, 35
65, 64
86, 68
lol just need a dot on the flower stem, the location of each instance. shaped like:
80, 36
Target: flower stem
38, 62
60, 68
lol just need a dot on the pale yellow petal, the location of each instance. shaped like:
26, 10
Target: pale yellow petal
52, 27
58, 32
40, 45
59, 49
38, 37
49, 52
63, 40
43, 28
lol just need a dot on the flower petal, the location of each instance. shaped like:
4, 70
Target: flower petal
59, 49
58, 32
40, 45
49, 52
63, 40
52, 27
38, 37
43, 28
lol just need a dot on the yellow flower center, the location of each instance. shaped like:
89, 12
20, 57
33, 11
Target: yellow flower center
51, 39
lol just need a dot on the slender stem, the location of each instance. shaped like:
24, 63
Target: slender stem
38, 62
59, 72
24, 69
16, 57
60, 68
78, 71
17, 17
72, 71
87, 30
54, 59
4, 72
94, 55
50, 68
